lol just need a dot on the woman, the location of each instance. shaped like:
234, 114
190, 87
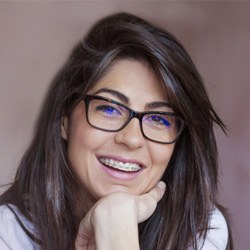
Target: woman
126, 116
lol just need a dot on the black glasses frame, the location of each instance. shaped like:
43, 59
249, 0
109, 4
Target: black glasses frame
132, 114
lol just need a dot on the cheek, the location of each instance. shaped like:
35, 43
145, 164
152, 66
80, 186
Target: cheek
79, 139
81, 135
84, 140
161, 155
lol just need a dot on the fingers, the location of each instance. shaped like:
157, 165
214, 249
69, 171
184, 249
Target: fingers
158, 191
147, 203
85, 232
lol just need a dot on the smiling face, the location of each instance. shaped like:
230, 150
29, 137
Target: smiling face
125, 161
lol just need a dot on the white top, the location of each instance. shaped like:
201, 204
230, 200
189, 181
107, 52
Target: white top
217, 235
12, 236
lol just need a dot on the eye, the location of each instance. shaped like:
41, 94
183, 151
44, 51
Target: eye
108, 110
159, 121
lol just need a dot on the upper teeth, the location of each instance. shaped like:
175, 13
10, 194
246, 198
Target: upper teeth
120, 165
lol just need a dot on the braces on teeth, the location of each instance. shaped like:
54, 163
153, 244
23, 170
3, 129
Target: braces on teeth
130, 167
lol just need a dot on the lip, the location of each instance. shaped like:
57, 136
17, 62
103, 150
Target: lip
119, 174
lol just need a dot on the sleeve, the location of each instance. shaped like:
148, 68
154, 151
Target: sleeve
217, 235
12, 235
4, 245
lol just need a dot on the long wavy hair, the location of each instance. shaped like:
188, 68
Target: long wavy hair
45, 186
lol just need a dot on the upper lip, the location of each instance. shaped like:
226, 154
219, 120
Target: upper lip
123, 159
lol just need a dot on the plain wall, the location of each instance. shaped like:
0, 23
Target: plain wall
36, 38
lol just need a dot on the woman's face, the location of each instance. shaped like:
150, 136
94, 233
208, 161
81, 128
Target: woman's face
90, 150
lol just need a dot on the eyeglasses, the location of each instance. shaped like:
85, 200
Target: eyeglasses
111, 116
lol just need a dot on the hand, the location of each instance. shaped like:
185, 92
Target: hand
112, 223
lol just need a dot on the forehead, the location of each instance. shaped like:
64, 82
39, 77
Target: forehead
135, 79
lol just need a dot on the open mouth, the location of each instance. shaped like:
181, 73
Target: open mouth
119, 165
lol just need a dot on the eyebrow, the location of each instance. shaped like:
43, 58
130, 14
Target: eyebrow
125, 99
115, 93
155, 105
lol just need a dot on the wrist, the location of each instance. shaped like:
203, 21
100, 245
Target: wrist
116, 228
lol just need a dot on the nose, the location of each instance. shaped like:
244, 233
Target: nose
130, 136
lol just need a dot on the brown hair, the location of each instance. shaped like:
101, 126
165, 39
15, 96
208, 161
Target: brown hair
44, 185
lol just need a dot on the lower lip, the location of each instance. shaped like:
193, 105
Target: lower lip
122, 175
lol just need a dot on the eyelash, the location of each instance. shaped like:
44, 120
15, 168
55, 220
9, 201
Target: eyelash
106, 108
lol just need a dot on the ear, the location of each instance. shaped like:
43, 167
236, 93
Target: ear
64, 127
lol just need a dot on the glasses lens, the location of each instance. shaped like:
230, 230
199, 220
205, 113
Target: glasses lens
161, 127
110, 116
106, 115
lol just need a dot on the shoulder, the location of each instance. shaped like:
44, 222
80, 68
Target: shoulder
12, 235
217, 234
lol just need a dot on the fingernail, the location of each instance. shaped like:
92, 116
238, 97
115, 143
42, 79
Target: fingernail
161, 184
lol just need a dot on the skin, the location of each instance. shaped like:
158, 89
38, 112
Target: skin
120, 202
122, 211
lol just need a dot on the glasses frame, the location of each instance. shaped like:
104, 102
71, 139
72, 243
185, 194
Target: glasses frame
132, 114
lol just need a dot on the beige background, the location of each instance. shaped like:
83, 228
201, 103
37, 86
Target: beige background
36, 38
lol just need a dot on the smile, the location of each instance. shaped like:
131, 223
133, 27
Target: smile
123, 166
